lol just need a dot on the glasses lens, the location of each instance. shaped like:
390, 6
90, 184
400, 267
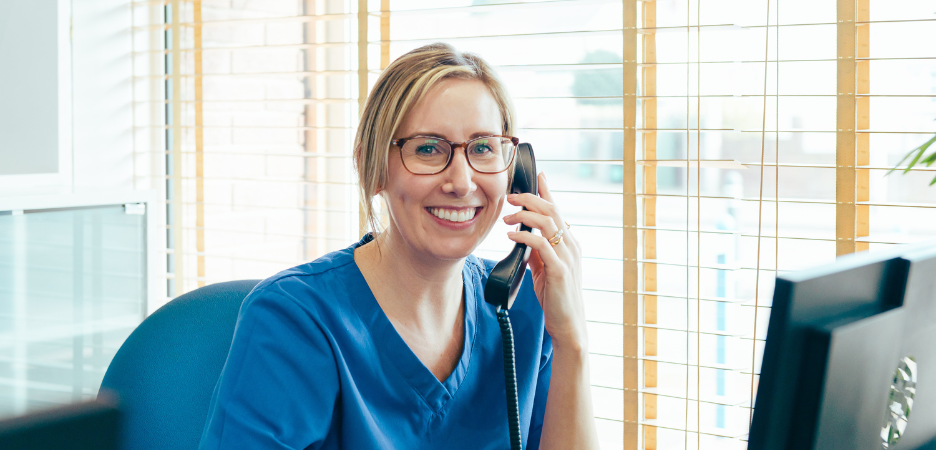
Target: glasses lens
425, 155
490, 154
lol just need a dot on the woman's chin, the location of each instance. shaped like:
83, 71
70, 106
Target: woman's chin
453, 249
445, 242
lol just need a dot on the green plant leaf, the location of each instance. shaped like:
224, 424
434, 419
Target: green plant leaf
929, 160
897, 167
915, 160
916, 153
911, 152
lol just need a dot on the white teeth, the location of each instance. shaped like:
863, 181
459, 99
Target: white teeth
453, 216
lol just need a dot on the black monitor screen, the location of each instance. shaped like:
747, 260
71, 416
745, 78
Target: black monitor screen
83, 426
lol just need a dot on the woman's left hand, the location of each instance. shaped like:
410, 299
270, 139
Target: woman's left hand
557, 269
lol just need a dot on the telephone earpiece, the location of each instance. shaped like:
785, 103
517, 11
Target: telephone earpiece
504, 280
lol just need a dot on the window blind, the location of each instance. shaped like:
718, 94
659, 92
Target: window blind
760, 151
249, 109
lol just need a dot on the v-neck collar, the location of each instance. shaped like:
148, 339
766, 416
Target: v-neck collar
393, 348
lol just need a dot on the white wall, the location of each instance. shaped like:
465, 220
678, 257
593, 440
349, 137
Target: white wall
94, 96
35, 96
102, 99
28, 87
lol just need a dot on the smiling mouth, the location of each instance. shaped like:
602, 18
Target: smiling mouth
454, 215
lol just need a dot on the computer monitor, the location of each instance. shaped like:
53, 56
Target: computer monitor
919, 342
836, 337
83, 426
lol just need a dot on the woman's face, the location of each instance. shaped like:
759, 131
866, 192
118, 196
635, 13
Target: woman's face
457, 110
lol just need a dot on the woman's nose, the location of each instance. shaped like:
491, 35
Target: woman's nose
459, 176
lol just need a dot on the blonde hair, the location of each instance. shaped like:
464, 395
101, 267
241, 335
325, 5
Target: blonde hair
398, 89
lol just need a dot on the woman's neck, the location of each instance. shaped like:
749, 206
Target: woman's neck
421, 296
424, 294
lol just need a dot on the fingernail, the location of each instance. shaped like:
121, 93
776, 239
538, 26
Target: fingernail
511, 233
544, 175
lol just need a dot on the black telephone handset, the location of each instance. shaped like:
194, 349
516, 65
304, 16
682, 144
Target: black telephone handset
504, 280
501, 289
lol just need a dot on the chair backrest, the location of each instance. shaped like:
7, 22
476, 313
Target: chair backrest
165, 372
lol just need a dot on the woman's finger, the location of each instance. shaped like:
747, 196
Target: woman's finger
544, 188
543, 203
540, 244
545, 224
547, 206
569, 237
532, 202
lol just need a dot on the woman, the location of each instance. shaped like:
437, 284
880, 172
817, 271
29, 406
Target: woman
389, 343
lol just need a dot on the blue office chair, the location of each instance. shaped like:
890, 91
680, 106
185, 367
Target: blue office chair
165, 372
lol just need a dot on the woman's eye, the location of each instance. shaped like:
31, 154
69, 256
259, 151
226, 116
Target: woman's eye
481, 148
426, 149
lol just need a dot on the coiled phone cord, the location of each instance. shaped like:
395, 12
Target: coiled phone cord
510, 380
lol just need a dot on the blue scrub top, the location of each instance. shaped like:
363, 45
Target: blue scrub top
316, 364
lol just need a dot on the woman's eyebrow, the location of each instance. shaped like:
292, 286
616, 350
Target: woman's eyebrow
430, 133
442, 135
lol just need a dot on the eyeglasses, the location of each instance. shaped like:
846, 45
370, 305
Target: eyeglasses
429, 155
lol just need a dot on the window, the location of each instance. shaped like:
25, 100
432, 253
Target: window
779, 164
698, 148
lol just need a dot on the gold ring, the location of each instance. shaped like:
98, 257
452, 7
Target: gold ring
557, 238
568, 226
